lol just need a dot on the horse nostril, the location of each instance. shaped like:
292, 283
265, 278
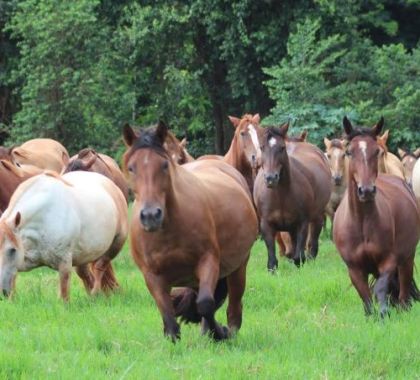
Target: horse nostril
359, 190
276, 176
142, 215
158, 212
373, 189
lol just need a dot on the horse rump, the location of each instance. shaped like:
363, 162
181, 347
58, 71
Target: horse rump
185, 305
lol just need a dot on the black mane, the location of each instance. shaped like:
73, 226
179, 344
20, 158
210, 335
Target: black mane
360, 131
148, 139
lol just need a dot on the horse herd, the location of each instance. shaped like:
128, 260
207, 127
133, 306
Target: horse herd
194, 221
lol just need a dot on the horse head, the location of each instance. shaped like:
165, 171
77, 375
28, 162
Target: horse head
408, 160
363, 152
149, 167
336, 153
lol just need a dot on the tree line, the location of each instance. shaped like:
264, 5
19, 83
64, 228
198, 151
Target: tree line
77, 70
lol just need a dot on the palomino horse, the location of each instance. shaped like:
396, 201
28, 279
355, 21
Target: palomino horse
377, 225
408, 160
43, 153
91, 161
291, 192
192, 225
11, 176
416, 181
388, 162
60, 222
335, 152
244, 153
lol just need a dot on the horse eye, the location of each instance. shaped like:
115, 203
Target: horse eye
242, 133
165, 165
11, 252
377, 152
348, 153
131, 169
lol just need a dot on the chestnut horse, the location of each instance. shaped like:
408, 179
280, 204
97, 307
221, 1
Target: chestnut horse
42, 153
61, 222
177, 149
408, 160
11, 176
377, 225
193, 226
90, 161
416, 181
336, 154
291, 192
388, 162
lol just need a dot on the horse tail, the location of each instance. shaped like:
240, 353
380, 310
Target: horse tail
109, 281
184, 301
394, 290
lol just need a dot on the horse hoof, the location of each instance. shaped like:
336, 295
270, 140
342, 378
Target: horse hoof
221, 333
272, 270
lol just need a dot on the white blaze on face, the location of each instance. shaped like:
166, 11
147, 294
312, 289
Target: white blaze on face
146, 158
254, 137
363, 148
272, 142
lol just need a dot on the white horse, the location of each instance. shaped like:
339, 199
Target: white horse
61, 222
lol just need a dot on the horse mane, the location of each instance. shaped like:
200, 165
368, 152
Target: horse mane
148, 140
337, 143
7, 232
271, 131
360, 131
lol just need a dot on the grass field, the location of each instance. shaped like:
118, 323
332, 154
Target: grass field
303, 323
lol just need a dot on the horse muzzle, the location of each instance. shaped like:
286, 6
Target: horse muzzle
272, 180
151, 218
366, 193
337, 180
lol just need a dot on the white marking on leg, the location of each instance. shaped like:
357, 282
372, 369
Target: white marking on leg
254, 137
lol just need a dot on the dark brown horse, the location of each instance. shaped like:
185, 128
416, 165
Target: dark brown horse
291, 192
377, 225
89, 160
193, 226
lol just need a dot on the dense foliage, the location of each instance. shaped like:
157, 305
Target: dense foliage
76, 71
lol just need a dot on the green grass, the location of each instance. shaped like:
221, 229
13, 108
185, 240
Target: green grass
301, 323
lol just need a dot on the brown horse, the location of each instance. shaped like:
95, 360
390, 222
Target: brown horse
42, 153
90, 161
388, 162
408, 160
336, 154
291, 192
192, 225
377, 225
11, 176
177, 149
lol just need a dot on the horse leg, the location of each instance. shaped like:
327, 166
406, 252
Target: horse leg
236, 289
64, 270
160, 291
359, 280
86, 276
301, 237
405, 277
268, 234
381, 291
315, 231
207, 273
98, 268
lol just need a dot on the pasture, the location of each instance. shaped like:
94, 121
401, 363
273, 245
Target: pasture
300, 323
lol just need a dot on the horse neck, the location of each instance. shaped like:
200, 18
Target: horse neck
236, 158
359, 210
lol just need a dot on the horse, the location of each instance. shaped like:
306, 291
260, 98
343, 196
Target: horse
178, 149
11, 176
291, 192
408, 160
6, 153
335, 152
43, 153
388, 162
376, 225
60, 222
89, 160
416, 181
192, 226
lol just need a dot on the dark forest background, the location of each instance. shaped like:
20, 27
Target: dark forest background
76, 71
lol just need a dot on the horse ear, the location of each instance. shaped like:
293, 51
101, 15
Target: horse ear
384, 137
348, 128
256, 118
234, 120
283, 129
327, 142
183, 142
129, 135
377, 129
17, 219
401, 153
161, 131
303, 136
416, 153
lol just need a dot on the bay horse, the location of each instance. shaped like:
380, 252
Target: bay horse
290, 192
388, 162
377, 225
11, 176
408, 160
43, 153
61, 222
90, 160
193, 226
336, 154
